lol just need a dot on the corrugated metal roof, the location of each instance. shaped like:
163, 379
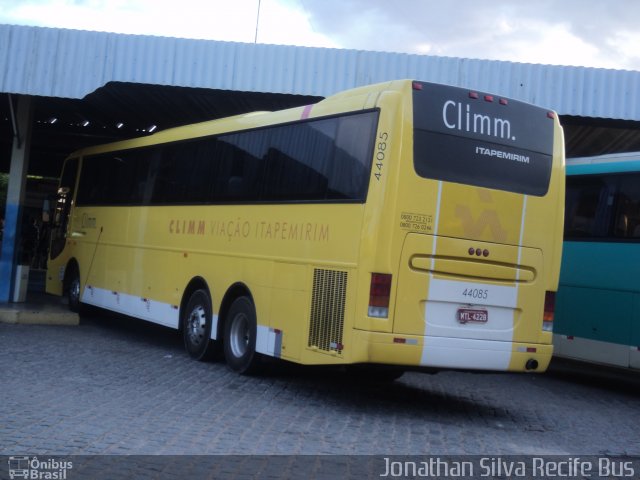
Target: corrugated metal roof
72, 64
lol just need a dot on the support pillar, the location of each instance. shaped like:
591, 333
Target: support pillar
22, 122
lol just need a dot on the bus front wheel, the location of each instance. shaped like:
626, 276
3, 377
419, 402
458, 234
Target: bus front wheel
196, 326
73, 290
240, 332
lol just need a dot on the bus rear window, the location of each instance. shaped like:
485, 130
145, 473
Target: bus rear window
478, 139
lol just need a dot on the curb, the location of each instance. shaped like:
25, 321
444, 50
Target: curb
31, 316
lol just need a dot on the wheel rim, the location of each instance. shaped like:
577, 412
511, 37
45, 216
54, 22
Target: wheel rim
239, 335
197, 325
74, 291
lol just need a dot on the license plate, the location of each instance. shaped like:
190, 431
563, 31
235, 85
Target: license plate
472, 315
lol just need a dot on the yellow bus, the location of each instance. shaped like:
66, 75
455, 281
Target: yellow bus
406, 223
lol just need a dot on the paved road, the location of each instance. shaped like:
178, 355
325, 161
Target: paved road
119, 386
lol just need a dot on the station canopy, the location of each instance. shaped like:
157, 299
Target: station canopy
124, 110
95, 87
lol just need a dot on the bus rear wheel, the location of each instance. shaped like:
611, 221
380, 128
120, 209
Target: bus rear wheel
196, 326
240, 331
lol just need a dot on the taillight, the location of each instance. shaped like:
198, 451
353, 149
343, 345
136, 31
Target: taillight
549, 310
379, 295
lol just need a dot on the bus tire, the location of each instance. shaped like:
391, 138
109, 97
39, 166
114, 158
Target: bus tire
196, 326
240, 331
73, 290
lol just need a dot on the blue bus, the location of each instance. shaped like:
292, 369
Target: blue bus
597, 316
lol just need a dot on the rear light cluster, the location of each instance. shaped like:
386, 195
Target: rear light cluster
379, 295
488, 98
549, 310
491, 98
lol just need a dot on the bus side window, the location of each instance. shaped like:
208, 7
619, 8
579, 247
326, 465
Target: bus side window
180, 172
298, 160
590, 207
628, 207
606, 207
239, 166
583, 198
354, 150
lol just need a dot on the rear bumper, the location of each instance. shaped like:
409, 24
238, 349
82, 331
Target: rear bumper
453, 353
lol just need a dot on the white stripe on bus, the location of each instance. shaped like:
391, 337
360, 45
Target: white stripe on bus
466, 353
268, 341
597, 351
435, 227
477, 293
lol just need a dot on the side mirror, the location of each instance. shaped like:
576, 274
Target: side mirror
60, 206
46, 210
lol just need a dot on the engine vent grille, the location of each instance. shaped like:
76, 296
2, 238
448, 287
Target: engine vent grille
327, 310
